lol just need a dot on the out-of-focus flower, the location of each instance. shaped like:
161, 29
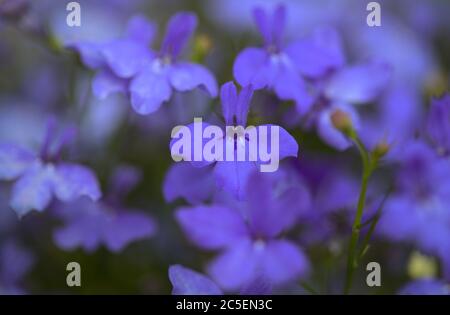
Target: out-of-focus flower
273, 66
419, 211
40, 176
127, 65
425, 286
232, 176
438, 124
250, 240
189, 282
337, 86
90, 224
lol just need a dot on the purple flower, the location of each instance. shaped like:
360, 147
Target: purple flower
232, 176
127, 65
274, 65
249, 240
41, 176
425, 287
438, 123
90, 224
419, 212
337, 86
189, 282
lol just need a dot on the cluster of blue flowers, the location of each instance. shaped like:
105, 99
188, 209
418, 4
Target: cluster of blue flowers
263, 232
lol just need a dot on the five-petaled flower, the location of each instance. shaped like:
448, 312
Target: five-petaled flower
148, 77
250, 237
273, 66
232, 176
89, 224
40, 176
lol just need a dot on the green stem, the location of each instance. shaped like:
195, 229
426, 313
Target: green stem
368, 167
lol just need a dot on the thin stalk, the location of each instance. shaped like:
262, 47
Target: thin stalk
356, 227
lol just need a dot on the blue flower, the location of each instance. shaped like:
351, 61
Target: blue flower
419, 212
41, 176
232, 176
89, 224
273, 66
249, 239
127, 65
337, 86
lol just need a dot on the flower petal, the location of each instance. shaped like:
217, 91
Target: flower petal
228, 99
236, 267
33, 190
126, 57
106, 83
14, 160
72, 181
186, 76
287, 144
283, 261
83, 231
141, 29
90, 54
127, 227
212, 227
317, 54
189, 282
250, 67
268, 213
232, 176
358, 84
289, 85
179, 30
148, 91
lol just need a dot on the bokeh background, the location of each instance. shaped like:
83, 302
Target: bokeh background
40, 77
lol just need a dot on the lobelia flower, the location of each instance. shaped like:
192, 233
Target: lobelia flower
232, 176
273, 66
41, 176
250, 239
438, 123
90, 224
127, 65
320, 57
335, 193
419, 211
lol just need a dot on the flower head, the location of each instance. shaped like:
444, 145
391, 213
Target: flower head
127, 65
40, 176
272, 66
232, 176
250, 240
107, 222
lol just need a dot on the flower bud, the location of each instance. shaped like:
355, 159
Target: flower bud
381, 149
342, 121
